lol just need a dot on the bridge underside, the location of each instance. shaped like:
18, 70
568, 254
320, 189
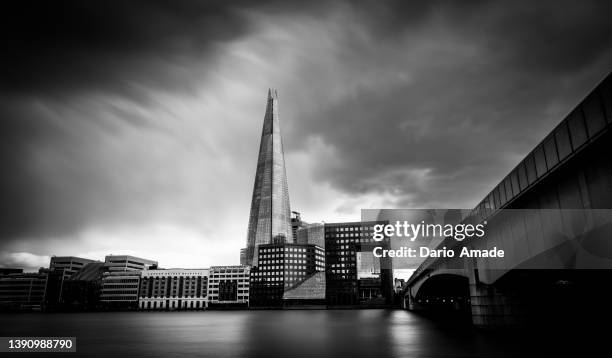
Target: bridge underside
563, 298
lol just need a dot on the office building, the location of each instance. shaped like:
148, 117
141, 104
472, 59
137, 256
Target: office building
82, 290
119, 289
121, 280
174, 289
68, 264
353, 275
228, 286
270, 215
61, 268
23, 291
283, 267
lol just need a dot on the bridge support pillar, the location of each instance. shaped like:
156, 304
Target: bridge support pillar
410, 303
491, 308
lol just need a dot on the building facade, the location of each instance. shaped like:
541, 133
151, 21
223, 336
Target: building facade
68, 264
311, 234
23, 291
82, 290
270, 215
174, 289
121, 280
127, 263
282, 267
353, 275
61, 268
119, 289
229, 286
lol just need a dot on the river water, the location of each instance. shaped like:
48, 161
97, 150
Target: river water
296, 333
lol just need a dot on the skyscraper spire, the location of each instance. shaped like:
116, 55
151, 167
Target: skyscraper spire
270, 217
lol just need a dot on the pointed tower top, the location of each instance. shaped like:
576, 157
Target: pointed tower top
272, 93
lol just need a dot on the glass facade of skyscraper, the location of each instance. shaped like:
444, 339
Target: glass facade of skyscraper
270, 216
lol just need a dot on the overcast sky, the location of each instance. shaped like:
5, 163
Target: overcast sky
132, 127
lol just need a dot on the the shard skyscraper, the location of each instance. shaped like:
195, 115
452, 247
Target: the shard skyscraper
270, 218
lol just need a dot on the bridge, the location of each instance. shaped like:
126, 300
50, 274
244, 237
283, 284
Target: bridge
552, 214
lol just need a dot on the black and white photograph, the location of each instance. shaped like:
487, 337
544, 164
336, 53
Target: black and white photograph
325, 178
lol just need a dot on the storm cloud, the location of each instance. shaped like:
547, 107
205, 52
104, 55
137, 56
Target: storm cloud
132, 126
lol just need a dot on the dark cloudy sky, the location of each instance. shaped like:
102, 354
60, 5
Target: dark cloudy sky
133, 126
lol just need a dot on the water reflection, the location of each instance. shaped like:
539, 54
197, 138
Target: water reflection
333, 333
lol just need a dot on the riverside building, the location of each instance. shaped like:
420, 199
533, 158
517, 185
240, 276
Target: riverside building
283, 267
354, 276
228, 286
174, 289
61, 268
23, 291
121, 280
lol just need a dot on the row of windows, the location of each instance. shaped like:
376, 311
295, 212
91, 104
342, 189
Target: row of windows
215, 292
114, 287
172, 287
340, 271
270, 262
230, 276
24, 285
276, 256
342, 265
117, 289
170, 296
6, 294
285, 249
23, 298
340, 252
173, 284
127, 293
351, 241
173, 293
286, 267
273, 273
353, 235
184, 304
173, 278
273, 278
243, 279
166, 275
119, 298
349, 228
111, 280
226, 271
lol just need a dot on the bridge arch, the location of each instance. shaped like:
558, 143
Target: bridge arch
446, 290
